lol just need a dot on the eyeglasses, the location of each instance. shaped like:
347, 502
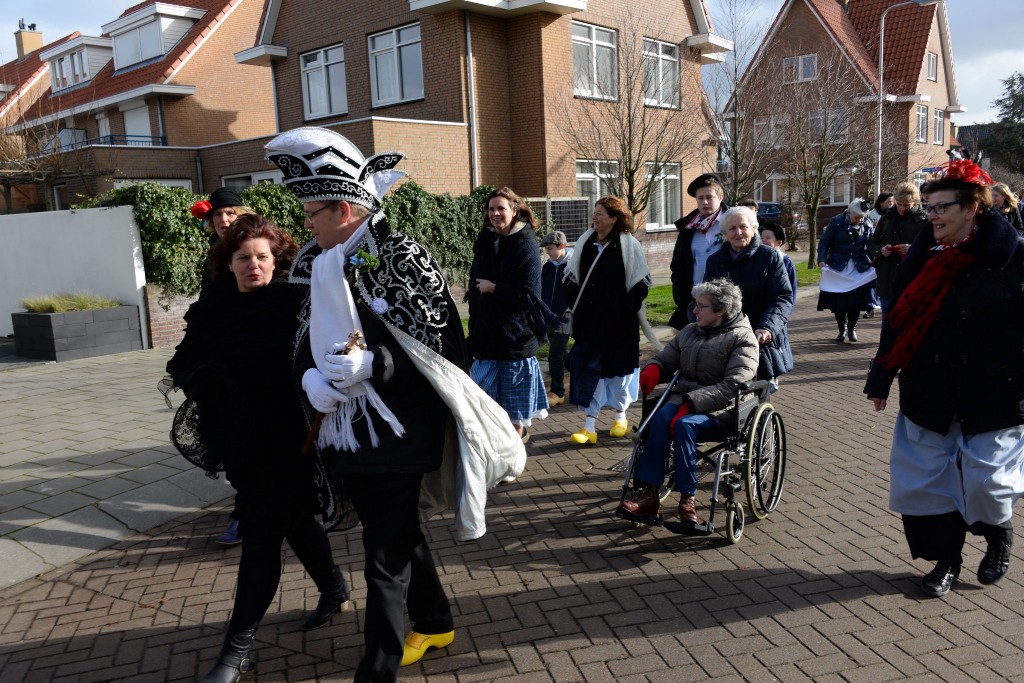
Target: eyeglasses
697, 306
310, 215
938, 209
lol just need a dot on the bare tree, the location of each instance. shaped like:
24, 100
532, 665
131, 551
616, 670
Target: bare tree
645, 117
819, 137
43, 155
743, 101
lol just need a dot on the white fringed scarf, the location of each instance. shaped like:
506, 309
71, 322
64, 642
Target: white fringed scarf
333, 317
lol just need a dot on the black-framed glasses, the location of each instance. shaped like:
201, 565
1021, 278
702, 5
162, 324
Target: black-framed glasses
310, 215
940, 208
698, 306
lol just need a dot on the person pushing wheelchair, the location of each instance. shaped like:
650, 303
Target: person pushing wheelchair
713, 356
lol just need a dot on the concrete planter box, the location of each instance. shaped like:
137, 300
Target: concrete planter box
77, 334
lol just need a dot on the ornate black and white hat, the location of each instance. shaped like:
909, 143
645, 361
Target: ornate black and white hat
320, 165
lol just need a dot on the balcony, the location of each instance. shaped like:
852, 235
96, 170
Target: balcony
115, 140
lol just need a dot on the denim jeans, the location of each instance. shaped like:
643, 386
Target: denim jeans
688, 431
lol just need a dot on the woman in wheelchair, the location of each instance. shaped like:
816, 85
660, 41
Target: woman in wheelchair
714, 355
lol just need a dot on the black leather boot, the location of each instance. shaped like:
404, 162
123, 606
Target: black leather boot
996, 562
851, 333
234, 657
332, 597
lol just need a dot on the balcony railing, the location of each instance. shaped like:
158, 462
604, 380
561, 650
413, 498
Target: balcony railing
124, 140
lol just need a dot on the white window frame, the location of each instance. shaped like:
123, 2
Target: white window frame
666, 197
803, 68
404, 91
322, 67
661, 74
920, 178
250, 179
594, 46
939, 134
596, 177
922, 123
836, 117
121, 60
933, 66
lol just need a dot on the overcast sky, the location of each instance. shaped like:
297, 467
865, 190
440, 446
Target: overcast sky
988, 38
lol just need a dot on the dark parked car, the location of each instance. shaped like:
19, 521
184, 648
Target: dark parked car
770, 211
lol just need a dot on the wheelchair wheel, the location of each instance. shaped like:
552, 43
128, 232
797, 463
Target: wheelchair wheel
734, 521
764, 469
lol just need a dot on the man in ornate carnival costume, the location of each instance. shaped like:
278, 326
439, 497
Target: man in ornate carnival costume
396, 412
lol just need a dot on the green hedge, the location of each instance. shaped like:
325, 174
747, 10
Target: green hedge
174, 244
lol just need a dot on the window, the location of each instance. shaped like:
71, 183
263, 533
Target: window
800, 69
592, 178
920, 178
396, 65
594, 61
841, 189
922, 123
241, 182
661, 74
940, 127
663, 206
768, 132
68, 70
837, 122
323, 82
933, 66
138, 44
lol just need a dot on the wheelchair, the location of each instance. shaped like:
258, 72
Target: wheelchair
747, 461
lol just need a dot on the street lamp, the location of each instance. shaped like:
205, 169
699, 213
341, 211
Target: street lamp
881, 80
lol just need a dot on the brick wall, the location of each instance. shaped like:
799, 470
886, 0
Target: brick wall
232, 100
166, 317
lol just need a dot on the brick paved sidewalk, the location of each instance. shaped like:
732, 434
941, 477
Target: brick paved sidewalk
559, 590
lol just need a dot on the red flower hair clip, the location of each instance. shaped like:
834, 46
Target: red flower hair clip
965, 170
201, 209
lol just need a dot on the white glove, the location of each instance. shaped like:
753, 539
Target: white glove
321, 394
349, 369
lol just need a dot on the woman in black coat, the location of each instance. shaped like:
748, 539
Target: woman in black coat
506, 316
607, 280
955, 339
760, 272
892, 237
235, 362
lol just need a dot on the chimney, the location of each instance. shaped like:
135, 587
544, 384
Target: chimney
27, 41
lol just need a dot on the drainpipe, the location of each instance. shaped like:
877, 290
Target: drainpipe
199, 174
474, 159
160, 116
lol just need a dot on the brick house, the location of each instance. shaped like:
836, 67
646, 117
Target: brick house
470, 90
920, 94
142, 100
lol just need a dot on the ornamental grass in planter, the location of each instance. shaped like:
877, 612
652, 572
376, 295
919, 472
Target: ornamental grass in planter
71, 326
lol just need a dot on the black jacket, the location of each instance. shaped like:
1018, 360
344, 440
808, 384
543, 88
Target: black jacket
501, 325
893, 228
767, 298
235, 363
970, 366
605, 317
682, 270
552, 288
408, 285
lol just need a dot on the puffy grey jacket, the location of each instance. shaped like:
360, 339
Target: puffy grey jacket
713, 360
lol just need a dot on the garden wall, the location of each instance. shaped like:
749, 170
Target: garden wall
97, 251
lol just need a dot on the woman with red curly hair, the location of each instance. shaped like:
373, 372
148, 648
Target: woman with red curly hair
235, 364
954, 339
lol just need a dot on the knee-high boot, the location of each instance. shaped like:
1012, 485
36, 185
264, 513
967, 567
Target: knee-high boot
333, 596
234, 657
841, 321
852, 316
